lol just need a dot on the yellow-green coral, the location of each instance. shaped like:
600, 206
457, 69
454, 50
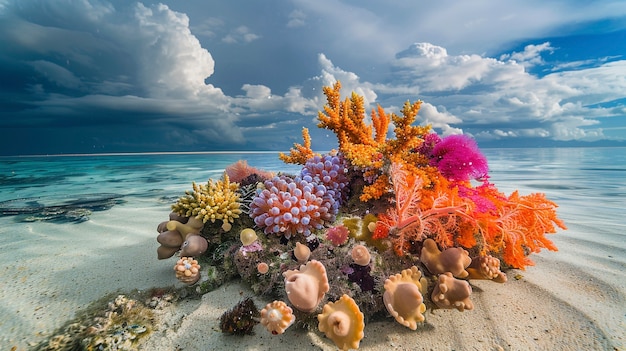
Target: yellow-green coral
210, 202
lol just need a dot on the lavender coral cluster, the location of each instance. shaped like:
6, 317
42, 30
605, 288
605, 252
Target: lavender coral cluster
311, 200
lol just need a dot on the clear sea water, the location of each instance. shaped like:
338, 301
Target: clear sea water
48, 200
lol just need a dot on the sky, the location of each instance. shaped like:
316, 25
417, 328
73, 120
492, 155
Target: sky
97, 76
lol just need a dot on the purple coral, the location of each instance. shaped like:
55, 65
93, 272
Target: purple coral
329, 171
458, 158
292, 205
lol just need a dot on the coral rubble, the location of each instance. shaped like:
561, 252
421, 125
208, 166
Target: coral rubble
362, 230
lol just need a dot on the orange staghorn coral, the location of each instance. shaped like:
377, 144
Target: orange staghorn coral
345, 118
299, 153
408, 137
366, 145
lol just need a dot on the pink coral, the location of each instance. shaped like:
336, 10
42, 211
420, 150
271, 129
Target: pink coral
292, 205
458, 158
338, 235
240, 170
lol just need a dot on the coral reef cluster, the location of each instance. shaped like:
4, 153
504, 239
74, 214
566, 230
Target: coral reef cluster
382, 226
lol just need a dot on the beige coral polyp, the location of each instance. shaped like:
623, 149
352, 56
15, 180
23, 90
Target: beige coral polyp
452, 293
302, 252
403, 297
277, 317
453, 259
360, 255
342, 322
307, 285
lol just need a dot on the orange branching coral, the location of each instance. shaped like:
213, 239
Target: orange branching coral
345, 118
299, 153
380, 121
406, 221
367, 151
408, 136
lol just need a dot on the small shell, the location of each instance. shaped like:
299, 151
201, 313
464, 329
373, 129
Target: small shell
302, 252
361, 255
262, 267
247, 236
277, 317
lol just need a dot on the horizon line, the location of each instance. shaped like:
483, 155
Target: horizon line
147, 153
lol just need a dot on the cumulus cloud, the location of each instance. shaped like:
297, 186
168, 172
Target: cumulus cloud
531, 55
95, 63
499, 98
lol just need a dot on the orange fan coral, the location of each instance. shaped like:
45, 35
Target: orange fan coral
524, 222
406, 221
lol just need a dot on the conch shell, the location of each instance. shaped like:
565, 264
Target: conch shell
306, 286
453, 259
342, 322
403, 297
277, 317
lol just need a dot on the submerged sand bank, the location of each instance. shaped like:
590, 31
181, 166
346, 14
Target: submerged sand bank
571, 300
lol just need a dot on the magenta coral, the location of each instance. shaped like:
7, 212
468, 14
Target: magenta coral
458, 158
287, 206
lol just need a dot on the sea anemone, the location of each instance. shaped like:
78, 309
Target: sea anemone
292, 205
328, 170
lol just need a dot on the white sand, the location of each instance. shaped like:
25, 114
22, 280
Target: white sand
573, 299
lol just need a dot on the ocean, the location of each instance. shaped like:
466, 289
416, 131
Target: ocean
70, 224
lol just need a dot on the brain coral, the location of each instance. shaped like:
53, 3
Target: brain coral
292, 205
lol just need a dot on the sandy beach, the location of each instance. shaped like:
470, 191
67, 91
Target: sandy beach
571, 300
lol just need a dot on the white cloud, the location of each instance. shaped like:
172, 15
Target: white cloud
439, 119
484, 92
531, 55
296, 18
350, 82
241, 34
